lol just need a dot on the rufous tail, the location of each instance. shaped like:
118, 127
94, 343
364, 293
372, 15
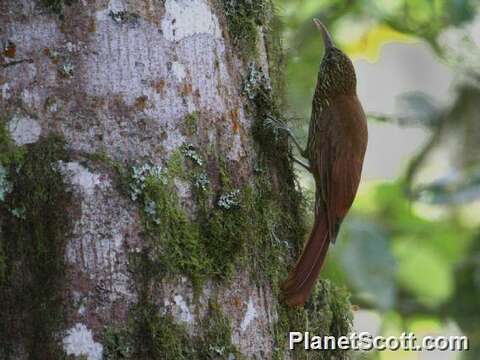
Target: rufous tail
300, 281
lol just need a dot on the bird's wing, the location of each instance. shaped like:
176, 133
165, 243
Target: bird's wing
342, 147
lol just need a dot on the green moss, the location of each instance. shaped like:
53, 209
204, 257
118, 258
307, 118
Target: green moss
272, 140
157, 336
228, 229
244, 18
331, 314
276, 60
284, 213
178, 244
3, 263
327, 314
151, 335
289, 319
124, 17
215, 340
254, 233
32, 239
9, 153
190, 123
269, 248
174, 238
226, 233
267, 129
57, 6
117, 343
243, 228
223, 234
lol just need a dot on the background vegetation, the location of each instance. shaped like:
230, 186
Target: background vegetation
410, 249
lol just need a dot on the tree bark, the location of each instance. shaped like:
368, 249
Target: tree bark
148, 208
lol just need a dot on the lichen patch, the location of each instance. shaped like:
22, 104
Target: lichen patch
250, 315
82, 177
178, 70
24, 130
185, 314
79, 342
186, 18
114, 6
5, 91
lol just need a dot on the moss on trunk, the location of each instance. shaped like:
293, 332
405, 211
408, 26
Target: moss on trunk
34, 222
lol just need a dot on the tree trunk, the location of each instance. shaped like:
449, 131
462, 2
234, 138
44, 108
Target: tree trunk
148, 207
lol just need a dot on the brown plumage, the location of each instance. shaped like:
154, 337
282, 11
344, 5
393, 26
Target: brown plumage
337, 141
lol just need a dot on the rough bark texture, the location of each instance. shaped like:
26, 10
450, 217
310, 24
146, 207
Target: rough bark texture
146, 211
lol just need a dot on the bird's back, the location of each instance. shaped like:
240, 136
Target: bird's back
337, 130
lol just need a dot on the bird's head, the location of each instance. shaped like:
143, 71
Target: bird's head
337, 73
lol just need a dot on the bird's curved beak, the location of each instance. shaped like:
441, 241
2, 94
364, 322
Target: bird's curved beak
327, 38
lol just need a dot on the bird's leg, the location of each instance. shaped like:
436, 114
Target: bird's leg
302, 152
290, 134
296, 143
294, 140
301, 163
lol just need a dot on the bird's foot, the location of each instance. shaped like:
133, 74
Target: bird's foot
301, 163
284, 127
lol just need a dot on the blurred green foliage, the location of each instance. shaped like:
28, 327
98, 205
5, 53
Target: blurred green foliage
464, 304
406, 250
366, 257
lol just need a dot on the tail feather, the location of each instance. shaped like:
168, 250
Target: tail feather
302, 278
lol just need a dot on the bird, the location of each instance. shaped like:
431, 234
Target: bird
336, 146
